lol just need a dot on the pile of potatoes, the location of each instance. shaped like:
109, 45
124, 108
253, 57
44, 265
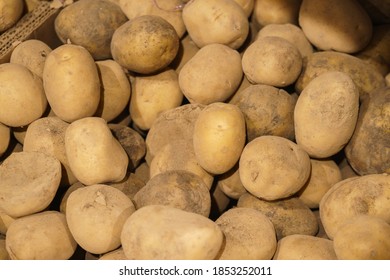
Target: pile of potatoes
214, 130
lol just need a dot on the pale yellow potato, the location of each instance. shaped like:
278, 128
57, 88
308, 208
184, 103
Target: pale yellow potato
276, 11
5, 137
40, 236
5, 222
249, 235
246, 5
116, 90
66, 195
95, 215
93, 153
219, 137
152, 95
22, 97
19, 133
304, 247
10, 12
71, 82
130, 185
273, 167
230, 183
187, 49
170, 234
360, 195
213, 74
218, 21
326, 113
272, 61
342, 26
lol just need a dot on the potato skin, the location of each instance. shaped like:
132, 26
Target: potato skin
10, 12
5, 137
276, 11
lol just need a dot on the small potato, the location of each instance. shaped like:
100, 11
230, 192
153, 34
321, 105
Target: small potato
5, 137
213, 74
249, 235
276, 11
219, 21
326, 113
22, 97
219, 137
41, 236
304, 247
153, 94
190, 236
95, 215
363, 237
230, 183
71, 82
272, 61
265, 158
145, 44
32, 54
10, 12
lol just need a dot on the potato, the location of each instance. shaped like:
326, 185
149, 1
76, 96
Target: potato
363, 237
47, 135
265, 158
368, 195
230, 183
304, 247
177, 188
65, 196
366, 77
145, 44
10, 12
342, 26
291, 33
5, 137
169, 10
324, 174
152, 95
187, 49
90, 24
368, 150
272, 61
116, 90
249, 235
22, 97
31, 53
289, 216
219, 137
130, 185
190, 236
41, 236
94, 155
5, 222
28, 183
267, 111
326, 113
95, 215
279, 12
117, 254
220, 203
71, 82
246, 5
213, 74
216, 22
3, 251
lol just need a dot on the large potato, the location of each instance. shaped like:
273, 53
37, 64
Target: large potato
326, 113
276, 11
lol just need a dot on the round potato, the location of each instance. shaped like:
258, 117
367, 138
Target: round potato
219, 137
10, 12
5, 137
276, 11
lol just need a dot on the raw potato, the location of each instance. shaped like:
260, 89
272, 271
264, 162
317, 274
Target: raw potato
5, 222
368, 151
230, 183
267, 110
90, 24
324, 174
129, 186
152, 95
28, 183
94, 155
213, 74
249, 235
219, 21
187, 49
289, 216
71, 82
5, 137
117, 254
178, 188
265, 158
22, 97
219, 137
10, 12
116, 90
363, 238
66, 195
276, 11
3, 251
32, 54
326, 113
304, 247
342, 26
272, 61
95, 215
41, 236
246, 5
190, 236
145, 44
361, 195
